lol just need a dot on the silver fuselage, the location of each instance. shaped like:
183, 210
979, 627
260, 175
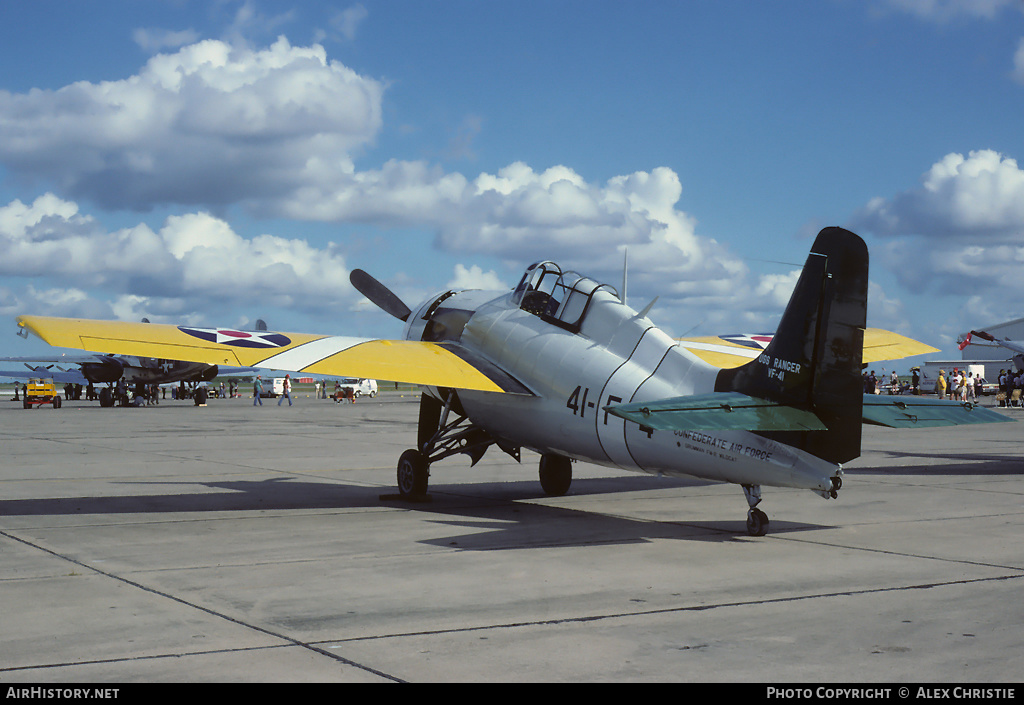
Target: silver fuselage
616, 356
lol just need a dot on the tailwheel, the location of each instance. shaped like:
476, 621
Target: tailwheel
555, 474
413, 474
837, 484
757, 522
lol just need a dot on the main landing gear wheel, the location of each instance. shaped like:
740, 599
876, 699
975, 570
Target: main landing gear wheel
757, 522
413, 474
555, 474
106, 398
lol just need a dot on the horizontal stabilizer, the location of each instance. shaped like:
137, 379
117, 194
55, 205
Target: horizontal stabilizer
915, 412
718, 410
732, 410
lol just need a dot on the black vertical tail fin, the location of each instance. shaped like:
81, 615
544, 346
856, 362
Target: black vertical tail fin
814, 359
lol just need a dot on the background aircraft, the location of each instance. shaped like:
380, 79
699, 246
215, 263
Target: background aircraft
561, 366
109, 369
1014, 345
100, 369
104, 369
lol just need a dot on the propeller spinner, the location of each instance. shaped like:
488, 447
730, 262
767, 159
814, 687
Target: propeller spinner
379, 294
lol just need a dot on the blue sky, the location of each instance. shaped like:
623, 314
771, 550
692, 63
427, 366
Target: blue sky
214, 163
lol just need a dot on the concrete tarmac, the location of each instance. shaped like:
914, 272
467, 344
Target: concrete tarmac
237, 544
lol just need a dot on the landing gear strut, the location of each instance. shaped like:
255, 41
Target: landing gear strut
440, 438
757, 521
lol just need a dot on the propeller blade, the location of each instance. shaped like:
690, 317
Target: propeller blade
379, 294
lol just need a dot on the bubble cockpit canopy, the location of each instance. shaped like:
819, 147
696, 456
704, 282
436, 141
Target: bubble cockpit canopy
560, 298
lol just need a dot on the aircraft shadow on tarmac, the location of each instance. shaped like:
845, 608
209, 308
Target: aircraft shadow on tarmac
968, 464
504, 513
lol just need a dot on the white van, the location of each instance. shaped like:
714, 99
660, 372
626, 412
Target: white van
359, 387
275, 388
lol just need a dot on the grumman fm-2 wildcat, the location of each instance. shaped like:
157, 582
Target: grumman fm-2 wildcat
561, 366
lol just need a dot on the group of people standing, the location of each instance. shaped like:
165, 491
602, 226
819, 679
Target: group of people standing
1010, 381
960, 387
874, 384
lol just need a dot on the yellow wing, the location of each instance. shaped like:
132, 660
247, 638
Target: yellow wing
416, 362
726, 350
885, 345
734, 350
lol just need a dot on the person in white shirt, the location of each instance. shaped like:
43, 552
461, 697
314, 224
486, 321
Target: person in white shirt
287, 391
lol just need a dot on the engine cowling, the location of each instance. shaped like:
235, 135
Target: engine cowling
108, 370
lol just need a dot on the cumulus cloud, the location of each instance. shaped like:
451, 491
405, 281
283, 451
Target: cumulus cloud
277, 131
981, 195
195, 264
56, 301
944, 265
519, 210
474, 277
525, 215
209, 124
776, 288
192, 261
521, 214
962, 229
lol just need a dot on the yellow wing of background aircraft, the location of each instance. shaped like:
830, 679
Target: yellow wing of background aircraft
561, 366
735, 350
